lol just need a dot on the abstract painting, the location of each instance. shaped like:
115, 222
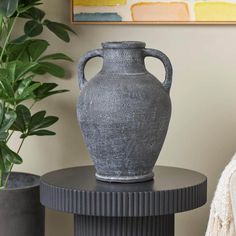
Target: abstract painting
153, 12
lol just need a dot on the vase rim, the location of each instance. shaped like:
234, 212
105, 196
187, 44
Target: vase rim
124, 44
28, 181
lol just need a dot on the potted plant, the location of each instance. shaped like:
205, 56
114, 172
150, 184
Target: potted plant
22, 59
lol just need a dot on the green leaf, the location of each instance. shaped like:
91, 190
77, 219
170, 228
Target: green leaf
52, 69
23, 119
10, 155
28, 51
3, 136
33, 13
48, 121
57, 30
6, 88
45, 123
26, 90
11, 67
1, 21
27, 2
56, 56
21, 9
24, 67
24, 8
42, 133
3, 96
46, 87
19, 40
37, 13
63, 26
17, 52
39, 121
3, 74
25, 83
2, 165
33, 28
37, 48
8, 7
8, 120
46, 90
39, 71
1, 112
36, 119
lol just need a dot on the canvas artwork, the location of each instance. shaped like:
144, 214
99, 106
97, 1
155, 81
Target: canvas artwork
147, 11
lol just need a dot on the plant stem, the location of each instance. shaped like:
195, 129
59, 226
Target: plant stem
32, 105
20, 145
12, 132
8, 175
8, 37
9, 172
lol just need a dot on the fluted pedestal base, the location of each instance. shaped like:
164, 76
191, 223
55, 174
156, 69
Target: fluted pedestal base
124, 226
135, 209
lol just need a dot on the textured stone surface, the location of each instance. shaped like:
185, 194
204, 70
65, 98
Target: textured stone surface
124, 112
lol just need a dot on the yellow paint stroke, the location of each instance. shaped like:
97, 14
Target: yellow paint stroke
98, 2
160, 11
215, 11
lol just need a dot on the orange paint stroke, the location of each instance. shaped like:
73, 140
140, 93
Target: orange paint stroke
160, 11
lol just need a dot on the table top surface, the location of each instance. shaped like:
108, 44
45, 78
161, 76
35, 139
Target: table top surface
83, 178
76, 190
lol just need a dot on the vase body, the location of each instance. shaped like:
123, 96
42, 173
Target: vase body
124, 112
21, 213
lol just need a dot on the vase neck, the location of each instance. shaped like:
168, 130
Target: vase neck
123, 57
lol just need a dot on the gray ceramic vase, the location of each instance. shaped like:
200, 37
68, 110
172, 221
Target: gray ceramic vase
21, 213
124, 111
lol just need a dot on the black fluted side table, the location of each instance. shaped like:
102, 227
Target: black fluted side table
138, 209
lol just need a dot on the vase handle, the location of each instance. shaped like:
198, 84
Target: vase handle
167, 64
83, 61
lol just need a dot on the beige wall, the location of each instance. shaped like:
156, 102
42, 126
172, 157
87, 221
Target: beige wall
202, 134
